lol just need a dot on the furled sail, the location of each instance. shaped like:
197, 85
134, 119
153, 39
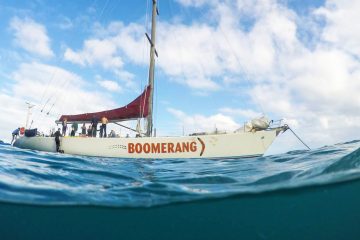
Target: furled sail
139, 108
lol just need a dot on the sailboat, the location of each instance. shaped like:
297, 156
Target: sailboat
250, 141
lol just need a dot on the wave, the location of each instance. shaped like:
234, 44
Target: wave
41, 178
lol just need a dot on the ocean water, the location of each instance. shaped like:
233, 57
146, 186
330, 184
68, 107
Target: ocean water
298, 195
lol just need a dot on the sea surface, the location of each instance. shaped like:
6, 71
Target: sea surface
297, 195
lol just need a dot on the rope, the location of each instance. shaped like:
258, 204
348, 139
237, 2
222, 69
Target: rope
287, 127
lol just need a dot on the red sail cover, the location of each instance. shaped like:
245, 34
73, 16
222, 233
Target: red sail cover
136, 109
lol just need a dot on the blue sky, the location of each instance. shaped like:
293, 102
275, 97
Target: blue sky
221, 63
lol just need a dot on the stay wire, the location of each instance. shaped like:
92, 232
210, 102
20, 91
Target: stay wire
102, 11
201, 59
51, 80
242, 69
66, 83
142, 109
58, 97
287, 127
178, 43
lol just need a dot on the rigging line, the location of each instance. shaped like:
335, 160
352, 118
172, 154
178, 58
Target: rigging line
53, 75
155, 94
102, 11
111, 11
47, 86
93, 3
65, 85
178, 43
242, 98
145, 43
54, 95
58, 96
241, 68
287, 127
201, 59
50, 109
42, 109
147, 16
155, 87
237, 59
142, 109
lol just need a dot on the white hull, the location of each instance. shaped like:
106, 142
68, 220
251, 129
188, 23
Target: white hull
232, 145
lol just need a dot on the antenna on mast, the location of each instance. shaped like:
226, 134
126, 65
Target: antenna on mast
30, 106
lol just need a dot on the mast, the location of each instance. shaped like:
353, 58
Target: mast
153, 52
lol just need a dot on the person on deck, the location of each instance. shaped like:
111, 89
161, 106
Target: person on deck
83, 130
94, 123
57, 135
64, 127
104, 121
15, 134
72, 133
112, 134
75, 126
89, 131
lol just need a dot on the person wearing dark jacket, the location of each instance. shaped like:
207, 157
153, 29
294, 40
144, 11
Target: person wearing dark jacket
83, 130
94, 123
89, 131
57, 140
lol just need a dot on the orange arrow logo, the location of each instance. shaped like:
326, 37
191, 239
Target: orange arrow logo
202, 146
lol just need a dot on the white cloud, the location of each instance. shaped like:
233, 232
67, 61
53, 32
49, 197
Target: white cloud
200, 123
247, 114
31, 36
110, 47
341, 26
194, 3
109, 85
101, 52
